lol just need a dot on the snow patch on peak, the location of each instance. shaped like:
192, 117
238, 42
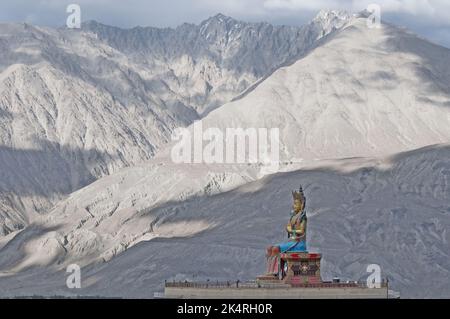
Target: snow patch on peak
332, 14
331, 20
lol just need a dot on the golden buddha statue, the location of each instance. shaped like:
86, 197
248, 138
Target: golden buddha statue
296, 227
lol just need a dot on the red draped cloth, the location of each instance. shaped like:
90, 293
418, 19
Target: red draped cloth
273, 259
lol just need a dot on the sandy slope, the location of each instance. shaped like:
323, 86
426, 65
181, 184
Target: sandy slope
393, 212
363, 92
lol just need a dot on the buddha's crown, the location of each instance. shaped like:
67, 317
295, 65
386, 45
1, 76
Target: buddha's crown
299, 195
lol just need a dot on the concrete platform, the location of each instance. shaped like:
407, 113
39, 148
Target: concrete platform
245, 291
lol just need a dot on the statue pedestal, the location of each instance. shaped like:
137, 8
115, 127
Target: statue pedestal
301, 267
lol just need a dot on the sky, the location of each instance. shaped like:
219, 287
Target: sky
428, 18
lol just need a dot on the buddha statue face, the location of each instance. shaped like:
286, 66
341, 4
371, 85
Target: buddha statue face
299, 200
298, 206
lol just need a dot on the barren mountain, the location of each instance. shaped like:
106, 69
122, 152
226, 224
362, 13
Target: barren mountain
76, 105
361, 92
365, 93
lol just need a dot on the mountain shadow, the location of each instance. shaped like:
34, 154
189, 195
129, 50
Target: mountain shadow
51, 169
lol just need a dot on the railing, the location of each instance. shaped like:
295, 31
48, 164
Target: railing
216, 284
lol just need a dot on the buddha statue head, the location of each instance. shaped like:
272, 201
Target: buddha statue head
299, 200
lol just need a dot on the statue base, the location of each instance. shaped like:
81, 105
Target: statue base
301, 268
293, 268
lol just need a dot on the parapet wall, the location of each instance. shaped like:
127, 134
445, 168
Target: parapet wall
275, 293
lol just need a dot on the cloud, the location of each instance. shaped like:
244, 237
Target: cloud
304, 5
171, 12
421, 8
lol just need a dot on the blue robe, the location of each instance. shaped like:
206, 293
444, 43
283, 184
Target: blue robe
293, 246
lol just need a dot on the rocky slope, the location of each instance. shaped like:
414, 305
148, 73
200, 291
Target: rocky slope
76, 105
361, 92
